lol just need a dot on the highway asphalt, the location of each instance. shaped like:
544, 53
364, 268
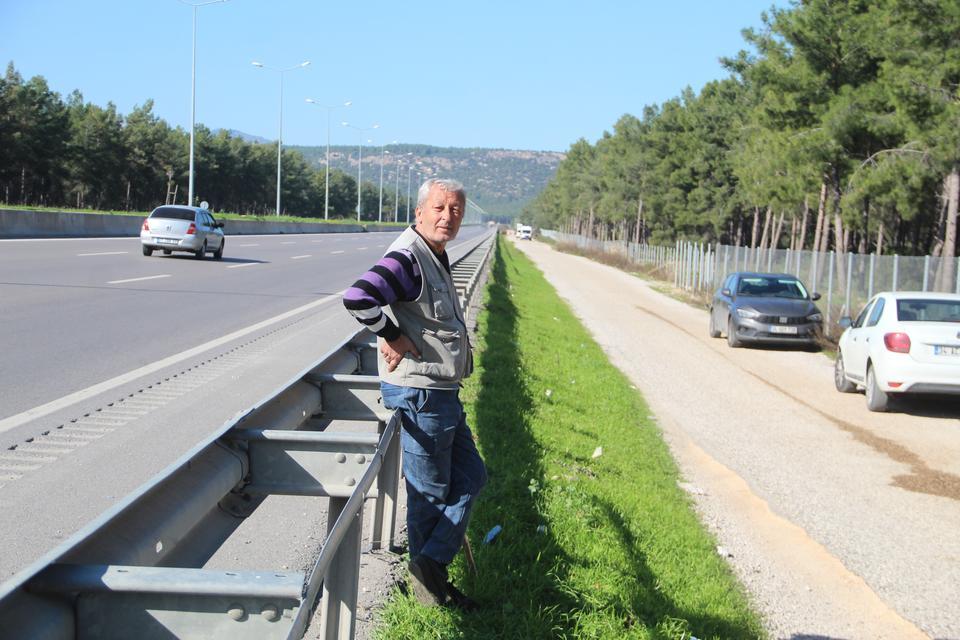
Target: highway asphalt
87, 322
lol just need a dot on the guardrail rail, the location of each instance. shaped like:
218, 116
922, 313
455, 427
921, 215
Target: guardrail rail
134, 571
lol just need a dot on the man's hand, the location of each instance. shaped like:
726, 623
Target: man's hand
394, 351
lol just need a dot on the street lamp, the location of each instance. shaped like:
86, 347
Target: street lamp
360, 160
396, 197
193, 90
409, 172
326, 188
280, 133
383, 157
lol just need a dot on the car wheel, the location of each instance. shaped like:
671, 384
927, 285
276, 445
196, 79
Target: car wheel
877, 398
732, 340
147, 251
218, 254
714, 332
202, 251
840, 376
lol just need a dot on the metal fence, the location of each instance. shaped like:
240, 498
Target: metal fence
845, 280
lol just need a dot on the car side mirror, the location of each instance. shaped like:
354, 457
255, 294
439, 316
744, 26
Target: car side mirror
815, 297
218, 225
845, 322
726, 292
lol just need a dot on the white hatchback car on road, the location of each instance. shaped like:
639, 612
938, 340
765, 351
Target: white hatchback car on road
902, 342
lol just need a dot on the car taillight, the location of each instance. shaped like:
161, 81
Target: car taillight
898, 342
192, 230
145, 227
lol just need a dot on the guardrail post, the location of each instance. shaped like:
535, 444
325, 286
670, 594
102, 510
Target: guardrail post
342, 581
926, 271
873, 260
896, 268
385, 508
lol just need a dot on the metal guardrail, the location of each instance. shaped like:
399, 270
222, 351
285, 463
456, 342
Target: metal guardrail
133, 571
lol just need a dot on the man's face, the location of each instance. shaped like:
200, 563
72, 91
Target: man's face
439, 217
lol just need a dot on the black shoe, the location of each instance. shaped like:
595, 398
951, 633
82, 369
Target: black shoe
459, 601
429, 581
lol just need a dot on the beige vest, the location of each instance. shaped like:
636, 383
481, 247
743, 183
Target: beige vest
435, 324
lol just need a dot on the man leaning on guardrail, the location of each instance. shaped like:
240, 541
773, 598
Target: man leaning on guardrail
409, 300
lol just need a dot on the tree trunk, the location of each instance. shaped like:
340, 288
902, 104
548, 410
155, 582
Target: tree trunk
590, 232
639, 220
825, 235
862, 245
775, 238
946, 268
793, 233
821, 218
803, 222
839, 241
766, 228
880, 239
756, 223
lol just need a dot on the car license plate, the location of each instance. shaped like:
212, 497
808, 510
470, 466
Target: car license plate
774, 328
166, 241
945, 350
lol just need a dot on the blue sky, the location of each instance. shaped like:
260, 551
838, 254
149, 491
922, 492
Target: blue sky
518, 75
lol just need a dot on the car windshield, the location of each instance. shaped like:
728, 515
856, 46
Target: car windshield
771, 287
173, 213
928, 310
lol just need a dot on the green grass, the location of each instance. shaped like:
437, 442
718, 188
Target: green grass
622, 554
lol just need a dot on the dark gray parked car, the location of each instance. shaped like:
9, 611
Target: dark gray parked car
765, 307
172, 228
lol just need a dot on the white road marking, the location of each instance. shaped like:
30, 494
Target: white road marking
245, 264
46, 409
288, 242
248, 245
104, 253
300, 257
335, 252
363, 248
138, 279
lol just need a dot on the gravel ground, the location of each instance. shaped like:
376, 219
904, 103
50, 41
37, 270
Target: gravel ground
840, 523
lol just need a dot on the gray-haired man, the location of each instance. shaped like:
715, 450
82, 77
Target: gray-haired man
409, 300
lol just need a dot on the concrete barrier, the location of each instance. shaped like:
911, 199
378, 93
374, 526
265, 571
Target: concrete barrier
17, 223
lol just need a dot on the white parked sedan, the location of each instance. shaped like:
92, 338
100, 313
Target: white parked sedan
902, 342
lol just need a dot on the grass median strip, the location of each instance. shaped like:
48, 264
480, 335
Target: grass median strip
597, 539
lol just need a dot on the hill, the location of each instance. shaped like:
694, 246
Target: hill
502, 181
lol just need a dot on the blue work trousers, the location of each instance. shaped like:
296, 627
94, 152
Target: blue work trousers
443, 470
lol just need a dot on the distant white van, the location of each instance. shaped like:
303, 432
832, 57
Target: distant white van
524, 232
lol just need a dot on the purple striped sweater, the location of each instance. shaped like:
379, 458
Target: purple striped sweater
395, 278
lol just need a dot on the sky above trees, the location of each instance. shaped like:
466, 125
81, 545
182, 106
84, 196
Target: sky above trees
521, 75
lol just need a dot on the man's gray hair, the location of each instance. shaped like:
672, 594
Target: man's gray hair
447, 184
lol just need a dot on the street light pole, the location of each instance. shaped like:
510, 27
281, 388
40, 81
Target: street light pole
383, 156
360, 162
326, 184
409, 172
193, 93
280, 132
396, 196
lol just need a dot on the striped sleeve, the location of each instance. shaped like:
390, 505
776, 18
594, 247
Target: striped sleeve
395, 278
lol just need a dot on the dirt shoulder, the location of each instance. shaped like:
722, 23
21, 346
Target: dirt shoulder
841, 523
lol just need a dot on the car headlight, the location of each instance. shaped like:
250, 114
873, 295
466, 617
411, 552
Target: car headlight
815, 317
748, 313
